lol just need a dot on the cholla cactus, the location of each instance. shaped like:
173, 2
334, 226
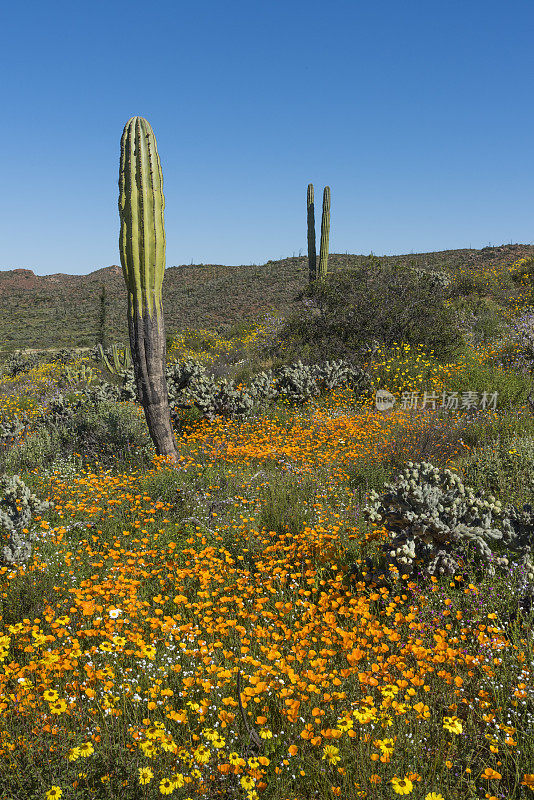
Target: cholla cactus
182, 374
129, 389
433, 521
435, 277
103, 392
333, 374
12, 427
262, 388
190, 385
296, 383
221, 399
17, 504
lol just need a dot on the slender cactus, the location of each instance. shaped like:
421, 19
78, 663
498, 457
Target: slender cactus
120, 362
312, 255
325, 233
142, 252
121, 359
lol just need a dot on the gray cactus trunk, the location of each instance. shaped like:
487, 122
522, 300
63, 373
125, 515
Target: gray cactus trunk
148, 348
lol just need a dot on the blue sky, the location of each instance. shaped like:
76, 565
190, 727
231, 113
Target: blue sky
418, 115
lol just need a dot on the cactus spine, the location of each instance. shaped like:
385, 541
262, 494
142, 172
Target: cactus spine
142, 252
312, 255
325, 233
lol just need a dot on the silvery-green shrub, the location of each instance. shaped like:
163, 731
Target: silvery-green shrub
434, 522
17, 505
296, 383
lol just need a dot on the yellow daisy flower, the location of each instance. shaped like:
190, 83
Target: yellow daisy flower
166, 786
74, 753
58, 707
145, 775
452, 724
402, 785
331, 753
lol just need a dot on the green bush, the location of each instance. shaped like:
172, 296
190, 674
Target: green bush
379, 302
488, 427
512, 388
107, 434
36, 450
503, 467
480, 319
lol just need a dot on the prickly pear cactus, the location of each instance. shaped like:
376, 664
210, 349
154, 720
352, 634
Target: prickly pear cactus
17, 504
434, 522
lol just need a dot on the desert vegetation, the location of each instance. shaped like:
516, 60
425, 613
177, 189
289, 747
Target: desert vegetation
310, 597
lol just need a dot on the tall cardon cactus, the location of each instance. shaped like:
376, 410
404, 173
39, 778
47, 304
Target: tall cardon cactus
325, 235
142, 253
312, 255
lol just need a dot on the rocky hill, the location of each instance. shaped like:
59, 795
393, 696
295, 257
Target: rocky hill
65, 310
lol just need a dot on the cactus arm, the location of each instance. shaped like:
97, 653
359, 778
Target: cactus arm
325, 233
142, 251
116, 361
312, 255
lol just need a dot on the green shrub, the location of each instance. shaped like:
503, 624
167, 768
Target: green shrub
435, 436
286, 504
107, 434
473, 283
503, 467
512, 388
488, 427
480, 319
36, 450
380, 302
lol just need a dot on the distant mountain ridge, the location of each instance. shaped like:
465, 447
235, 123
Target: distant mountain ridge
61, 310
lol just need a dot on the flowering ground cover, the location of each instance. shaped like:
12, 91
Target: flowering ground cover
188, 630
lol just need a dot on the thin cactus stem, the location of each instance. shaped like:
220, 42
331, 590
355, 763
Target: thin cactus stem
325, 233
312, 255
